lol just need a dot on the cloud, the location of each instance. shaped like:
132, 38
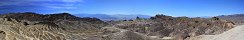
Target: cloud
55, 4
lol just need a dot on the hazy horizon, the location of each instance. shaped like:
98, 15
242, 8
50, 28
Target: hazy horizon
189, 8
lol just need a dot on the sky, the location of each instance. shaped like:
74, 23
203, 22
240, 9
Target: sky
190, 8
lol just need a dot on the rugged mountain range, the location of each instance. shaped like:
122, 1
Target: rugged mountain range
63, 26
112, 17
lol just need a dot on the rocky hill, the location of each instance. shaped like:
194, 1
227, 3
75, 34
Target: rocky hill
27, 26
179, 28
63, 26
237, 18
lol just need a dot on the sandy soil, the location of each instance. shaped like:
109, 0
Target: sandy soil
236, 33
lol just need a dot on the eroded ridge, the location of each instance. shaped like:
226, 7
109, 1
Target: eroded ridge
12, 29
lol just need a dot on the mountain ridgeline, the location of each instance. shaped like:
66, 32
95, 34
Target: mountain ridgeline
64, 26
106, 17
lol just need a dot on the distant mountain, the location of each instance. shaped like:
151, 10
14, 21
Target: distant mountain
112, 17
100, 16
128, 17
205, 16
237, 18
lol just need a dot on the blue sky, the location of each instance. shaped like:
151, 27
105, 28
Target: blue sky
190, 8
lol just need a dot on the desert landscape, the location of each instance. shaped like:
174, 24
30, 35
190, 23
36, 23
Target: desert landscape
121, 19
64, 26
